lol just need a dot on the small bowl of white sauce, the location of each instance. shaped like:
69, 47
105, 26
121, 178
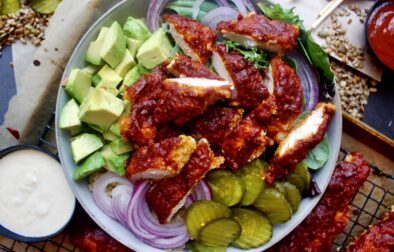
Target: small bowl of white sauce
36, 202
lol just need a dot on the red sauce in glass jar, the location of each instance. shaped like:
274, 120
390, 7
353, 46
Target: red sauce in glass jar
381, 32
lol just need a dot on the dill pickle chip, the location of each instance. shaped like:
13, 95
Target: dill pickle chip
9, 6
44, 6
195, 246
296, 180
275, 205
219, 233
293, 196
226, 187
303, 171
254, 184
256, 229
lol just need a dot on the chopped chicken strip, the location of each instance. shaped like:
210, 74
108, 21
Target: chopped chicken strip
215, 124
287, 94
167, 131
182, 66
258, 31
194, 38
378, 237
264, 113
160, 160
245, 77
305, 135
167, 196
245, 143
330, 216
184, 98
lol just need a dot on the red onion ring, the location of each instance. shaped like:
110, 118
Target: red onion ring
249, 5
202, 191
120, 200
222, 3
189, 201
213, 17
241, 7
172, 243
154, 11
101, 198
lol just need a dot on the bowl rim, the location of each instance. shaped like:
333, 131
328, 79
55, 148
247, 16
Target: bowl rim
10, 234
333, 153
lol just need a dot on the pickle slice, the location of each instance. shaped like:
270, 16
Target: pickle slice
302, 171
195, 246
9, 6
293, 196
44, 6
254, 184
296, 180
275, 205
201, 212
226, 187
219, 233
256, 229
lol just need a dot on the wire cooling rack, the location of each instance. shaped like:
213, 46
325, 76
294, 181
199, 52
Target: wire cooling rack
367, 205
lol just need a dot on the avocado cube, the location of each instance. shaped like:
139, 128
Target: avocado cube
93, 52
91, 164
114, 45
133, 45
125, 65
155, 50
115, 128
69, 119
136, 29
83, 145
119, 146
91, 69
109, 136
101, 108
78, 84
107, 79
113, 162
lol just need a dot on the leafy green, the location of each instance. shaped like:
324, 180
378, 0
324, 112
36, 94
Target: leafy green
318, 57
319, 155
276, 12
259, 58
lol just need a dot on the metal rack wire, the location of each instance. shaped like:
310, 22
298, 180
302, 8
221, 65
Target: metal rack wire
367, 205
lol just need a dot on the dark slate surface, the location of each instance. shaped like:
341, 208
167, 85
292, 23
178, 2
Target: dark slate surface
7, 81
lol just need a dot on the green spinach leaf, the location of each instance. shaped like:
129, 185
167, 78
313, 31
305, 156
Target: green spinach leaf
319, 155
276, 12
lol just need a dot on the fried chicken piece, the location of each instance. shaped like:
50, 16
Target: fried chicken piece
378, 237
258, 31
265, 112
167, 131
167, 196
245, 143
330, 216
286, 90
233, 67
184, 98
148, 87
194, 38
305, 135
160, 160
182, 66
215, 124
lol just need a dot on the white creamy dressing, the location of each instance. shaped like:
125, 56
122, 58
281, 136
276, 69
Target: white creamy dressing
35, 199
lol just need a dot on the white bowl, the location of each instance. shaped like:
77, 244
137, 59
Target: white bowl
137, 8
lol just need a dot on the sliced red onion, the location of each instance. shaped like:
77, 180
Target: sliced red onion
249, 5
240, 6
196, 8
213, 17
308, 77
154, 11
172, 243
202, 191
189, 201
222, 3
100, 196
120, 200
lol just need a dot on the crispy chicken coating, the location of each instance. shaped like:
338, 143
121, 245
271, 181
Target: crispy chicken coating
215, 124
184, 98
167, 131
287, 93
258, 31
379, 237
194, 38
249, 85
183, 66
167, 196
305, 135
160, 160
330, 216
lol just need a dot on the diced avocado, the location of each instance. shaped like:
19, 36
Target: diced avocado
69, 119
101, 108
136, 29
107, 79
133, 45
113, 162
115, 128
155, 50
83, 145
93, 52
114, 45
125, 65
109, 136
91, 69
91, 164
78, 84
132, 76
119, 146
